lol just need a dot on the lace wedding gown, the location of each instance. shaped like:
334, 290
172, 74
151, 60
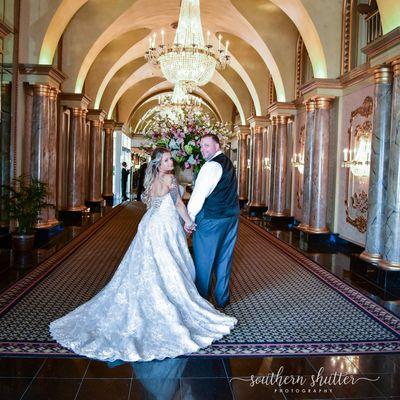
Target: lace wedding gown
151, 308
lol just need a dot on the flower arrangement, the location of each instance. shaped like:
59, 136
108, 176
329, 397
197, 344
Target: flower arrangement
180, 130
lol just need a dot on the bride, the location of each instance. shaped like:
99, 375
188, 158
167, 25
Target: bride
151, 308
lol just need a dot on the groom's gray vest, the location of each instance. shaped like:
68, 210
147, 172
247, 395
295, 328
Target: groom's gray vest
223, 202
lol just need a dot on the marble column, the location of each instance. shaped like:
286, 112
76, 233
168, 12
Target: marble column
5, 149
108, 163
308, 163
75, 192
243, 132
374, 243
319, 188
96, 119
43, 145
272, 145
85, 155
265, 175
257, 125
279, 166
391, 252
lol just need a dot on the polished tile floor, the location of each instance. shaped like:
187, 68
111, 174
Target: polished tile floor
199, 378
374, 376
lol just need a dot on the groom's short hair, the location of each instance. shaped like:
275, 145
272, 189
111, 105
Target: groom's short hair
214, 137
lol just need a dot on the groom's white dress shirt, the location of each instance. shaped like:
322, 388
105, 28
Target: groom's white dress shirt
207, 179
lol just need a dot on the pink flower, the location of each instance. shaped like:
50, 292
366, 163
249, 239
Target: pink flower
187, 165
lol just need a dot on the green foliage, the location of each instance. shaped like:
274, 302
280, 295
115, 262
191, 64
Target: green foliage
24, 199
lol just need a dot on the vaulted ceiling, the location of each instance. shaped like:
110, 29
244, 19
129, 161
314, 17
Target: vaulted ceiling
103, 42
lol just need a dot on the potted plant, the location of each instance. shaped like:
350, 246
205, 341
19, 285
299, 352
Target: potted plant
24, 201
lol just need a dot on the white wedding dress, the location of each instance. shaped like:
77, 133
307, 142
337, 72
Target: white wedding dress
151, 308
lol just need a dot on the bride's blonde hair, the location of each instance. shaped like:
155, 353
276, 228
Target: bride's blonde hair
151, 172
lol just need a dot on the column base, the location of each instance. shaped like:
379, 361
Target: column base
94, 205
374, 273
389, 265
317, 242
285, 220
72, 217
315, 231
43, 235
47, 224
109, 198
242, 202
370, 258
256, 210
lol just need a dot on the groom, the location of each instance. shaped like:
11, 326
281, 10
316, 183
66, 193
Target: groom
214, 206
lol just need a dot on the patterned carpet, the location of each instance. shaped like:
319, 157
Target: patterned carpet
285, 303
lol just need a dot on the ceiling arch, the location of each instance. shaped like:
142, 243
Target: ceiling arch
145, 72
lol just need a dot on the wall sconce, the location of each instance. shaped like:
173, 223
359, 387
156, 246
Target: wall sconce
358, 160
267, 163
297, 161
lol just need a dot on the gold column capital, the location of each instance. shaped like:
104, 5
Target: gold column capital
274, 120
310, 105
54, 93
77, 111
95, 122
383, 74
41, 90
396, 67
282, 119
324, 102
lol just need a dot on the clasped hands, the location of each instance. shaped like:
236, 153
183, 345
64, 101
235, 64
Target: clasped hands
189, 227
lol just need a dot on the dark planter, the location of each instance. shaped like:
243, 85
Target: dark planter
22, 243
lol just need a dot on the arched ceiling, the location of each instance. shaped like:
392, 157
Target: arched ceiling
103, 44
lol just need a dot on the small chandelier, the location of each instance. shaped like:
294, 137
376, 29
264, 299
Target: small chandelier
189, 103
190, 62
358, 160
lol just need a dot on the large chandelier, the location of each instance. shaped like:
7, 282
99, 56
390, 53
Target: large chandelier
189, 62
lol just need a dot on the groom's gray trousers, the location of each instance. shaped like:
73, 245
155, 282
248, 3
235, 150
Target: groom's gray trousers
213, 244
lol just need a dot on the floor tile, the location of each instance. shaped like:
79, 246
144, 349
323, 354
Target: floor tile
13, 388
383, 363
243, 389
150, 389
20, 367
388, 384
333, 364
266, 365
206, 389
99, 369
204, 368
52, 389
64, 368
359, 389
104, 389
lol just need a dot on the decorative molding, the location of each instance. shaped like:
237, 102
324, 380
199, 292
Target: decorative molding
346, 35
72, 100
299, 65
358, 202
43, 70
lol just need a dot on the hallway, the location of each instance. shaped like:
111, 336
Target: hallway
292, 313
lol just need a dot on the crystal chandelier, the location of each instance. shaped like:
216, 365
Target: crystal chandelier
189, 62
190, 104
